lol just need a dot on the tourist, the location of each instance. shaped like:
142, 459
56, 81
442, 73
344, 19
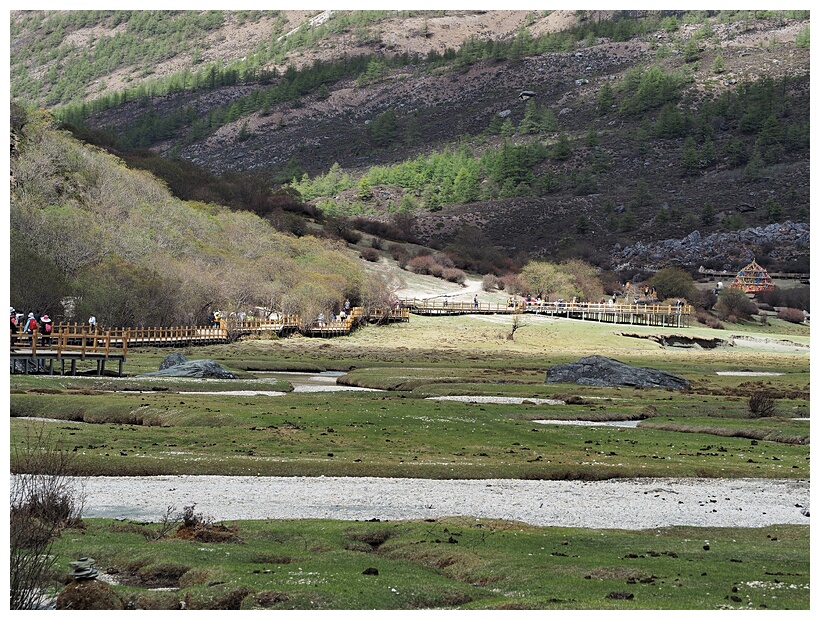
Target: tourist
475, 301
31, 324
92, 324
45, 329
14, 326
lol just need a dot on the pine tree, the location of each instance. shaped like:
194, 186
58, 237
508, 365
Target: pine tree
606, 99
707, 216
690, 161
531, 123
562, 150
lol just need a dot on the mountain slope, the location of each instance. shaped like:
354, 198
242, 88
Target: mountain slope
626, 177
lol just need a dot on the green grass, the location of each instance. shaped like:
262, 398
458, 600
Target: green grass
456, 563
141, 426
387, 434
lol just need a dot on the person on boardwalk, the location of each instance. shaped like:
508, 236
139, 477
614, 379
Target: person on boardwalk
92, 324
14, 326
475, 302
45, 329
31, 324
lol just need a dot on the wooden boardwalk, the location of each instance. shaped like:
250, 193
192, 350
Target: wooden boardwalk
659, 315
73, 343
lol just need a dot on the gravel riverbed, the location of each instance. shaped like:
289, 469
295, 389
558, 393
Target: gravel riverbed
623, 504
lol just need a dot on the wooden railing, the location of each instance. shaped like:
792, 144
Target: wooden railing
77, 341
668, 314
79, 338
379, 315
251, 325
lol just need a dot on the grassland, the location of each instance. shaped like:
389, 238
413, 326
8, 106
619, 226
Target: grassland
446, 564
140, 426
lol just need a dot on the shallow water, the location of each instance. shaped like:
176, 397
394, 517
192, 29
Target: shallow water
747, 373
621, 423
502, 400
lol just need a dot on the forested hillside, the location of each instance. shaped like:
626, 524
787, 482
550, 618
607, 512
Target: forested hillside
491, 137
118, 244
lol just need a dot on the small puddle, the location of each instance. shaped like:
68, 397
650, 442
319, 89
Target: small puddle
500, 400
747, 373
621, 423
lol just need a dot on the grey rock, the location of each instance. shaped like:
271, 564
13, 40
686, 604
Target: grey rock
202, 369
603, 371
172, 360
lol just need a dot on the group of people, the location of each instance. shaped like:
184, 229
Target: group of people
36, 323
214, 318
33, 323
343, 314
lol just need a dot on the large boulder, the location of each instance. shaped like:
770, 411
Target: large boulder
200, 369
607, 372
172, 360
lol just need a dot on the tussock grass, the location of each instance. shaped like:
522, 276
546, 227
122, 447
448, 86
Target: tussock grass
456, 563
760, 434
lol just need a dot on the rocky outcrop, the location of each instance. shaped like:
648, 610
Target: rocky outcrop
201, 369
603, 371
787, 241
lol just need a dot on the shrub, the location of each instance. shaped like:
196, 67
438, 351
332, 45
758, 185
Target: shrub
733, 305
798, 297
673, 282
705, 298
708, 320
369, 254
424, 265
42, 503
762, 405
512, 284
490, 283
381, 229
454, 275
773, 297
792, 315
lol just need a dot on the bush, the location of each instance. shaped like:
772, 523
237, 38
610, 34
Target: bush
706, 299
798, 297
42, 503
370, 254
709, 320
733, 305
762, 405
424, 265
490, 283
512, 284
381, 229
773, 297
792, 315
673, 282
454, 275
